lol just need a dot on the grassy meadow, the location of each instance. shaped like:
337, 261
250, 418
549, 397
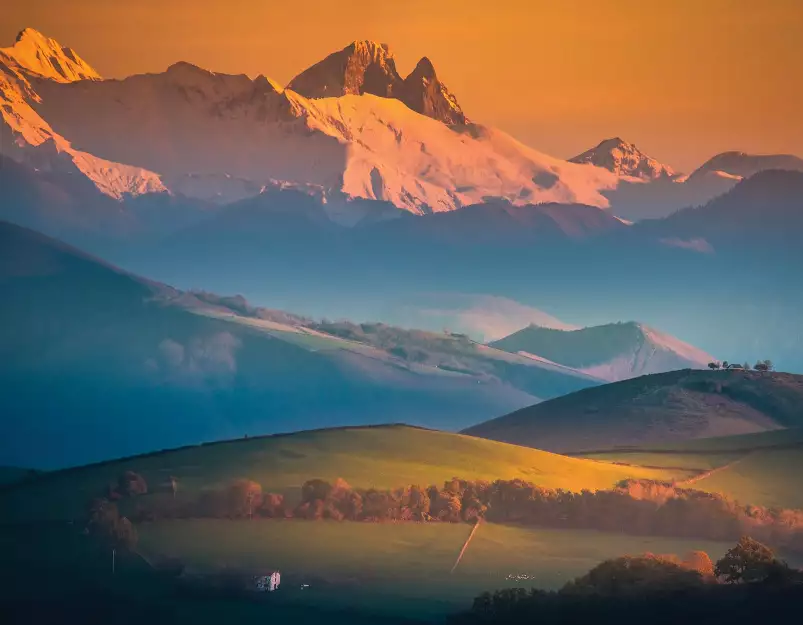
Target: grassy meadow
768, 478
760, 469
390, 566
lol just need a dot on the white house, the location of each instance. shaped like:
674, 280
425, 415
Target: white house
267, 583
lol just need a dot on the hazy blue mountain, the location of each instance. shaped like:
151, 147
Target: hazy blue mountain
96, 363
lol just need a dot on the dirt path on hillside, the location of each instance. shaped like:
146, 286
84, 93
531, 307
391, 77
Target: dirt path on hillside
465, 544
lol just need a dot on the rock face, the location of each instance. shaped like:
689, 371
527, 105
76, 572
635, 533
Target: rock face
359, 68
624, 159
367, 67
425, 94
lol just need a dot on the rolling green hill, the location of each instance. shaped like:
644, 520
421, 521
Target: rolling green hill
655, 410
380, 456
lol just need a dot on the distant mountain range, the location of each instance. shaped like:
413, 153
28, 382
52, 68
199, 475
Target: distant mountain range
483, 318
225, 137
650, 411
649, 189
719, 275
343, 204
348, 128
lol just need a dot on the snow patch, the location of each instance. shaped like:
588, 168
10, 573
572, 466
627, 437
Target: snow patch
46, 58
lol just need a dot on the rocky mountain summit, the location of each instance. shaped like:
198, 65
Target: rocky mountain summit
367, 67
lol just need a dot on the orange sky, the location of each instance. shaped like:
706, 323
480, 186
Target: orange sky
683, 79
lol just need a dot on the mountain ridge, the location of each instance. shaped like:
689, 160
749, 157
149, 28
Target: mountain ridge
167, 367
187, 128
612, 352
659, 408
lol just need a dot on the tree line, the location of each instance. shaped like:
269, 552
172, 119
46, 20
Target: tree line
638, 507
761, 365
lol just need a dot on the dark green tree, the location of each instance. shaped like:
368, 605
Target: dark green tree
749, 561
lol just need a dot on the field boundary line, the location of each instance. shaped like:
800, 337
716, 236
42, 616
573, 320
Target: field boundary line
465, 544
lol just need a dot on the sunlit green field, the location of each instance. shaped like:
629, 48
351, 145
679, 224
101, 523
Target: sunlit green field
759, 469
385, 566
381, 457
767, 478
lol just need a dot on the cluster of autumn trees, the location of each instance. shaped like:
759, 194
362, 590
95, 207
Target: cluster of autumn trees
655, 589
640, 507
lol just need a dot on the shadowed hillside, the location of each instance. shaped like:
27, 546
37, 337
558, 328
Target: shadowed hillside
660, 408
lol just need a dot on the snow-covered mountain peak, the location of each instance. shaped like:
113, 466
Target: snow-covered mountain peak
615, 351
44, 57
32, 65
624, 159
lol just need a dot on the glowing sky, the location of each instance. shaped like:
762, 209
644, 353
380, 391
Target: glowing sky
683, 79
